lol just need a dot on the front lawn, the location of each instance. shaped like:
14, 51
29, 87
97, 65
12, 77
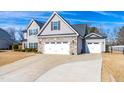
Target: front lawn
9, 56
113, 67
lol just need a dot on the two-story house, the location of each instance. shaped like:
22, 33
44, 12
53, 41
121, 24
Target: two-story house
57, 36
30, 34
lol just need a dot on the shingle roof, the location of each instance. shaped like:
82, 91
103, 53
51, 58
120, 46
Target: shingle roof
24, 31
23, 40
80, 28
4, 35
39, 23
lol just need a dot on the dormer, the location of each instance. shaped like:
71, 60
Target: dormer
34, 27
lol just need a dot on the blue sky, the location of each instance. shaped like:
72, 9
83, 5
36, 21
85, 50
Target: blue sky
107, 19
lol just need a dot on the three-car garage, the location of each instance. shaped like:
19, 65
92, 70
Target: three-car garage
97, 46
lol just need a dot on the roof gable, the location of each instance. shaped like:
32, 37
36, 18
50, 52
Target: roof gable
55, 14
40, 24
94, 36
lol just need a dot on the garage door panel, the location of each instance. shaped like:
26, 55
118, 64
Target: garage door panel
56, 48
94, 47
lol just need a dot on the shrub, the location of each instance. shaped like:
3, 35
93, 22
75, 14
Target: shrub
30, 50
26, 50
15, 46
39, 52
17, 50
23, 50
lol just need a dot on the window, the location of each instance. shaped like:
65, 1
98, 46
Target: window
96, 43
89, 43
25, 45
58, 42
46, 42
30, 45
33, 31
52, 42
33, 45
55, 25
30, 32
65, 42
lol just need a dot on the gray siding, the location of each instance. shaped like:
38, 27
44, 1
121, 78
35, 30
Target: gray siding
79, 45
4, 44
5, 39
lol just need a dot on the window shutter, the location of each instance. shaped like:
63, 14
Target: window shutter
51, 26
58, 25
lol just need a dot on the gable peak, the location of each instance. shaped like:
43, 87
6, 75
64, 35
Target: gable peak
55, 12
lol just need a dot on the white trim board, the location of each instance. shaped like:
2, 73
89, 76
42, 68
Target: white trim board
93, 34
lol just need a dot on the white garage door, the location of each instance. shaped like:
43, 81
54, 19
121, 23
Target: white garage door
94, 47
56, 48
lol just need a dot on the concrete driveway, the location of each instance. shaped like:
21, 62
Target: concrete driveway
46, 68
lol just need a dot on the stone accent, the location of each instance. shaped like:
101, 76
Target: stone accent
71, 39
23, 45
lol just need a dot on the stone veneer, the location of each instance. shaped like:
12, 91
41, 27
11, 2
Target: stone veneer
23, 44
71, 39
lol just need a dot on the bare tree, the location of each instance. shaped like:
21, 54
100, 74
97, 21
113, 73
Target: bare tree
20, 33
12, 32
120, 36
111, 34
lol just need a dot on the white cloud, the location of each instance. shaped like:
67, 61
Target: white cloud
109, 14
16, 26
20, 19
68, 13
91, 21
24, 15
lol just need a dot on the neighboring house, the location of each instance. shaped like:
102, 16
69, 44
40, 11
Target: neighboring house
5, 40
30, 34
57, 36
